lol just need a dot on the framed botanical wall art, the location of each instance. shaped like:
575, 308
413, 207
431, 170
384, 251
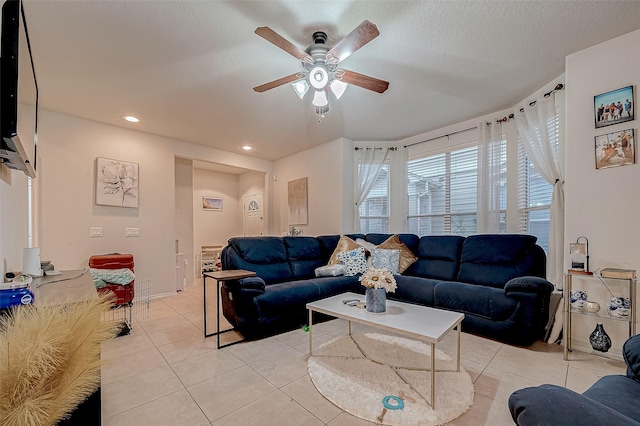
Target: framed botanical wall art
213, 204
116, 183
297, 191
615, 149
614, 107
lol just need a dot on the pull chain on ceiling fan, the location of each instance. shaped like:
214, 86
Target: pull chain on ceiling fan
320, 65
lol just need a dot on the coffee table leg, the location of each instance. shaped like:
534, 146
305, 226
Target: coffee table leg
433, 376
459, 333
310, 333
349, 328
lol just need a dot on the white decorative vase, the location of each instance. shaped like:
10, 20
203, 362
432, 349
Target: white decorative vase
376, 299
619, 307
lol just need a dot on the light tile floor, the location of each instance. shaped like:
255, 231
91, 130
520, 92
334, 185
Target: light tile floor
166, 373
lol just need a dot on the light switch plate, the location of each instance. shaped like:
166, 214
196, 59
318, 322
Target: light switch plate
131, 232
95, 231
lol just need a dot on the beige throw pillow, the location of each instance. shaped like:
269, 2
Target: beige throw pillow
344, 244
406, 256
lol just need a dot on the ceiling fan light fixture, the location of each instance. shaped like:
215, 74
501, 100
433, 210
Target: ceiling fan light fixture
300, 87
338, 87
320, 98
322, 110
318, 77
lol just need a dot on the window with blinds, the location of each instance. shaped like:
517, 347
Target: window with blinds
442, 192
534, 193
374, 210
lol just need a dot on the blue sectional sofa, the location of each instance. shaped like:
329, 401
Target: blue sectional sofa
497, 281
612, 400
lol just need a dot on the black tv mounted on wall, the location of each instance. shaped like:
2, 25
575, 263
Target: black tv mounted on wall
18, 92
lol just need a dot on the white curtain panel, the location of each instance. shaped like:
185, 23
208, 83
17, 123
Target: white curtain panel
537, 129
489, 167
369, 162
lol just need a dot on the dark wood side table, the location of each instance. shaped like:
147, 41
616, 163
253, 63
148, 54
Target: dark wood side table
220, 277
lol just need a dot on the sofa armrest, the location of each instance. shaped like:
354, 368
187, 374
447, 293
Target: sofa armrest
251, 283
631, 354
246, 285
554, 405
528, 285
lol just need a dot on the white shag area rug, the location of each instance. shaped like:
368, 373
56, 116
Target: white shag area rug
357, 372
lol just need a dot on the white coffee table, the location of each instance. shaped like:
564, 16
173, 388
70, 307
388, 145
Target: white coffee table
430, 325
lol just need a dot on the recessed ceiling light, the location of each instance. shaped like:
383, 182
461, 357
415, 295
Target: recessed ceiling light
247, 148
131, 119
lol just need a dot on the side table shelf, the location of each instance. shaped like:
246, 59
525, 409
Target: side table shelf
602, 287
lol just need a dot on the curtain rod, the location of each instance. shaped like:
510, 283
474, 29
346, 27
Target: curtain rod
559, 86
443, 136
391, 148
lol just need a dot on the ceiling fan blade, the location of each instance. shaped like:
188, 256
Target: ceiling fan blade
361, 35
275, 38
276, 83
365, 81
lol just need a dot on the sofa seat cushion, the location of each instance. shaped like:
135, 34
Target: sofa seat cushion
617, 392
287, 297
330, 286
414, 290
487, 302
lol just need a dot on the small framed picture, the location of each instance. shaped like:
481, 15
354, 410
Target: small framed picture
212, 204
615, 149
614, 107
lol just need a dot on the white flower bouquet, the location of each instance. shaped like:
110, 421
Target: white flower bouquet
379, 278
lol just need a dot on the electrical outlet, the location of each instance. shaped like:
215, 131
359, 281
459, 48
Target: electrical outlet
95, 232
131, 232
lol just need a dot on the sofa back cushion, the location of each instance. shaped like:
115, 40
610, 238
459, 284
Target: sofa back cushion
304, 256
438, 257
409, 240
266, 256
494, 259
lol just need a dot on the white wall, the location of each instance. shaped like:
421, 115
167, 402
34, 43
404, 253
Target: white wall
212, 227
329, 169
13, 219
66, 178
184, 216
601, 204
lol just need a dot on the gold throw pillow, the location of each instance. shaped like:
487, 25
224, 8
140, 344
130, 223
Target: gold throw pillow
406, 256
344, 244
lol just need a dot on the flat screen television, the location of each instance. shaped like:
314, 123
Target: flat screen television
18, 92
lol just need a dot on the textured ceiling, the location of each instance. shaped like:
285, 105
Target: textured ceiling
187, 68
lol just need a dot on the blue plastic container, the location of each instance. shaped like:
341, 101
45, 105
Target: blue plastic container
15, 294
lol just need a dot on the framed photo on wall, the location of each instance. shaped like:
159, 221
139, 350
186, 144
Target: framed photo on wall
213, 204
116, 183
614, 107
615, 149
